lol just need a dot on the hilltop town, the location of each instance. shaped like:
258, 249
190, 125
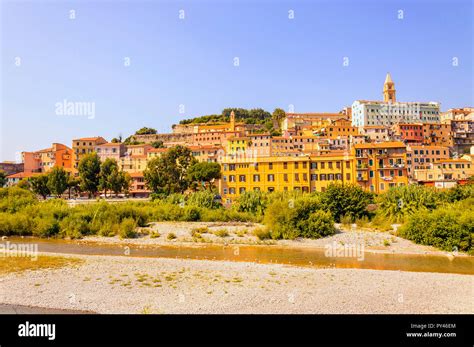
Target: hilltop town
374, 144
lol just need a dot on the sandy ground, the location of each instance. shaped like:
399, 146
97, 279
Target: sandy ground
106, 284
243, 234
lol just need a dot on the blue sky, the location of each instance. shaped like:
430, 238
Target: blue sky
190, 61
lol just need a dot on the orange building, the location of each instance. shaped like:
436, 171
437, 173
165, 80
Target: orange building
437, 134
44, 160
380, 166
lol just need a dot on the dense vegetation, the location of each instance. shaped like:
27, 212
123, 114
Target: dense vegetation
253, 116
444, 219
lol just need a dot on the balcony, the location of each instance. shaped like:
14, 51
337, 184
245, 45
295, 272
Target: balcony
362, 178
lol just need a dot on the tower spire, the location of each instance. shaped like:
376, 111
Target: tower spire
389, 94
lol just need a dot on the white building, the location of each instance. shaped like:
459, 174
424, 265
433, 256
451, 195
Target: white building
389, 111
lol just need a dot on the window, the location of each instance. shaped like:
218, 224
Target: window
314, 177
231, 178
256, 178
270, 166
271, 178
338, 165
400, 173
348, 165
348, 176
285, 165
322, 165
305, 177
296, 164
242, 190
314, 166
330, 164
304, 165
297, 177
271, 189
231, 190
323, 177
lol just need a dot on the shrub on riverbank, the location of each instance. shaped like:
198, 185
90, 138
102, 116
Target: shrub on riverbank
302, 217
450, 228
346, 201
22, 214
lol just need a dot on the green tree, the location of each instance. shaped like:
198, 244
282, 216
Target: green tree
73, 183
107, 169
157, 144
120, 181
3, 178
204, 172
58, 181
39, 185
168, 174
89, 172
346, 200
146, 131
278, 116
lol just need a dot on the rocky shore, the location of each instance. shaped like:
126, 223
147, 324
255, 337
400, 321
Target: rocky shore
109, 284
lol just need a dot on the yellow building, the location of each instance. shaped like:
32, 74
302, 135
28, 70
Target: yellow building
445, 170
380, 166
270, 174
85, 145
238, 146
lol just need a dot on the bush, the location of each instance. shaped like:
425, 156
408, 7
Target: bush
191, 214
127, 228
346, 200
221, 233
319, 224
252, 201
14, 199
262, 233
302, 217
15, 224
204, 199
449, 229
171, 236
399, 203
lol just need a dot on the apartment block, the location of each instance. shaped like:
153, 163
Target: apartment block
445, 173
84, 146
422, 156
270, 174
45, 159
380, 166
110, 150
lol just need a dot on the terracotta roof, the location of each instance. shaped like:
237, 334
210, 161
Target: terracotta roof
136, 174
110, 144
24, 174
89, 138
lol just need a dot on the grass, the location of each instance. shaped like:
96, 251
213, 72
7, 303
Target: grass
19, 264
221, 233
171, 236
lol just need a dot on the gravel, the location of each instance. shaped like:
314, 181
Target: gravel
109, 284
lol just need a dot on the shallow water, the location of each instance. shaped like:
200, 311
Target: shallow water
262, 254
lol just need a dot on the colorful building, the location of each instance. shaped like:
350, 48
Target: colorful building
390, 111
445, 173
422, 156
110, 150
409, 132
270, 174
44, 160
380, 166
83, 146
